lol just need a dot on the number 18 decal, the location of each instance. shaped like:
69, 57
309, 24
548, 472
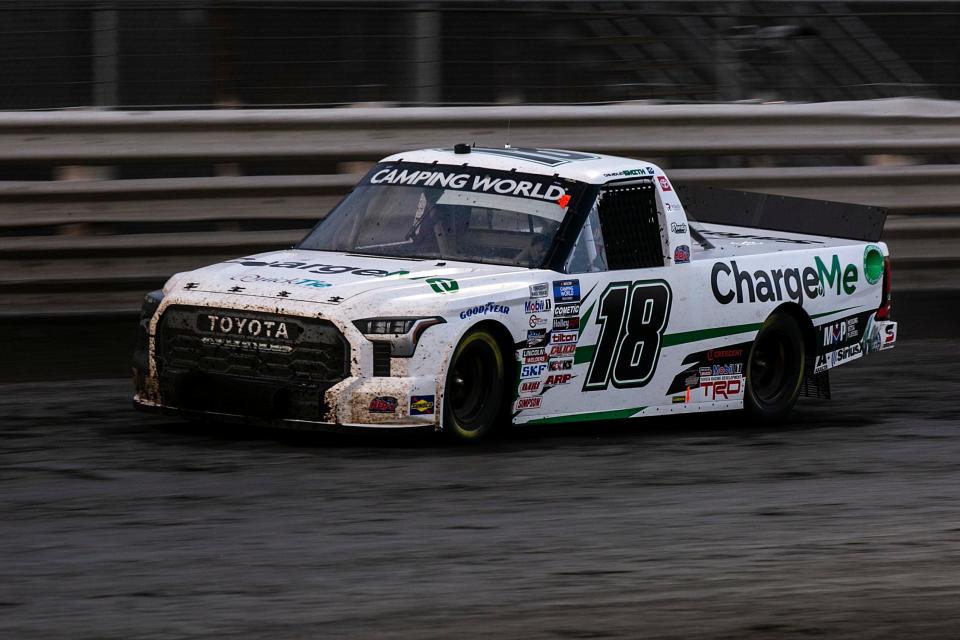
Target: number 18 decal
632, 318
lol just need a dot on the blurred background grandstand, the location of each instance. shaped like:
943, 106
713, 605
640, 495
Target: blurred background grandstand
143, 137
241, 53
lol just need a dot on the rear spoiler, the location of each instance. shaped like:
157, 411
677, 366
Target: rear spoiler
782, 213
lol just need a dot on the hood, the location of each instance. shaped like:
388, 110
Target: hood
326, 277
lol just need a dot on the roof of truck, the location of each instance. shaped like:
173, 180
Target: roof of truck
592, 168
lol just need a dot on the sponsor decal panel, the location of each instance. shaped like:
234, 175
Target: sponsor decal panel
566, 291
678, 227
540, 290
383, 404
536, 321
540, 305
566, 324
840, 341
528, 387
326, 269
559, 378
564, 337
564, 364
528, 403
303, 282
441, 285
422, 405
562, 350
681, 255
481, 310
566, 310
730, 283
536, 337
529, 187
726, 360
833, 359
535, 359
720, 388
664, 183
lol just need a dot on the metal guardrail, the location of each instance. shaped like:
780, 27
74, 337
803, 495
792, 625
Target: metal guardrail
900, 125
77, 245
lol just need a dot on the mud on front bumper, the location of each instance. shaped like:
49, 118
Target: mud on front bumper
303, 383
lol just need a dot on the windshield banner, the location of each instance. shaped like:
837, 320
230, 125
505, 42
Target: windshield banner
475, 180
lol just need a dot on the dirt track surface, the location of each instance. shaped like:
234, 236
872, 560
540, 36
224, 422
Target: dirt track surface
843, 524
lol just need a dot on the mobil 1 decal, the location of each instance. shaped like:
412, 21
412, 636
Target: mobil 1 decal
632, 318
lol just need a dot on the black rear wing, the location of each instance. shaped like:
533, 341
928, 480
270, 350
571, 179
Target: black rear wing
782, 213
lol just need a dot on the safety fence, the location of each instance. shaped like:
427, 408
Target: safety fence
96, 243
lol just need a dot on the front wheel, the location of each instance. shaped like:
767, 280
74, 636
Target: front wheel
475, 392
775, 369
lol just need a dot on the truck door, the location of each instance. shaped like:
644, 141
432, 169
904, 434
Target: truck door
614, 303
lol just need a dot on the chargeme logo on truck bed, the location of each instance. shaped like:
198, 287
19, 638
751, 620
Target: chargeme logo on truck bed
729, 283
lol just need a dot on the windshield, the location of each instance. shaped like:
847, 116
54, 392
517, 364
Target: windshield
448, 213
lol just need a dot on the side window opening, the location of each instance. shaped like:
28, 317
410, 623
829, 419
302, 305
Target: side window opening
588, 254
628, 217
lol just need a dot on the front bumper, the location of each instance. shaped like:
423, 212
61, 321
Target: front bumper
323, 380
147, 406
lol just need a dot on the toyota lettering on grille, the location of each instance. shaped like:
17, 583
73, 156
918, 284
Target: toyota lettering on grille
247, 327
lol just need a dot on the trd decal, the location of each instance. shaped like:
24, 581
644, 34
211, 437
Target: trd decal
632, 318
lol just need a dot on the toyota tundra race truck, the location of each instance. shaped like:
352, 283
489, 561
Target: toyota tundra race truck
470, 288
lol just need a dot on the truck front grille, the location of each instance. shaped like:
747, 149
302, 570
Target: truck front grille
252, 345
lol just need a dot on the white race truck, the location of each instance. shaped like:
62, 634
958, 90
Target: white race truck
469, 288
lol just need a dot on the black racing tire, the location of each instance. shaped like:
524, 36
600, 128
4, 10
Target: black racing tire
475, 393
775, 369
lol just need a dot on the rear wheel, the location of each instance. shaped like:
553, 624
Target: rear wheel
775, 369
475, 392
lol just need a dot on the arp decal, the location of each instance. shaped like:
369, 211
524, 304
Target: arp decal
632, 318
